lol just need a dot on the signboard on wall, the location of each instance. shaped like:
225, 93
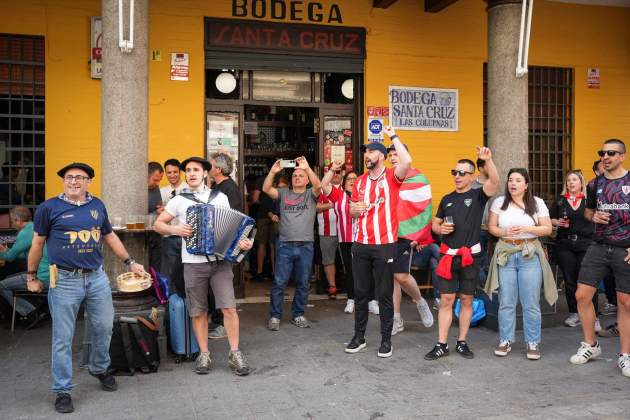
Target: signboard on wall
96, 43
179, 66
592, 78
375, 130
423, 109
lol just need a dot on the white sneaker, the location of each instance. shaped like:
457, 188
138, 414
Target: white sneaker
425, 313
598, 326
573, 320
585, 353
624, 364
373, 307
349, 306
398, 326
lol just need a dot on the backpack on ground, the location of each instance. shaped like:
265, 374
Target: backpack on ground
134, 346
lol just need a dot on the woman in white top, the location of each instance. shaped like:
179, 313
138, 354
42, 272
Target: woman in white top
518, 219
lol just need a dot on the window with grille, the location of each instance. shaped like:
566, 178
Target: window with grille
21, 121
550, 98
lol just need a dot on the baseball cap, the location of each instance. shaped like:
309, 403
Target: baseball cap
374, 146
391, 148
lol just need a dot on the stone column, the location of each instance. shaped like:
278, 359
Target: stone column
124, 120
507, 94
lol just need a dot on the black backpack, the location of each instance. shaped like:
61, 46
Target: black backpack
134, 346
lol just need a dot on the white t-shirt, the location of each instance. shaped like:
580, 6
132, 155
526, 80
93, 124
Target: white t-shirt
167, 192
177, 207
516, 216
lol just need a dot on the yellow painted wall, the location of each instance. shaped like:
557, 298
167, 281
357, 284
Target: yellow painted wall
73, 99
405, 47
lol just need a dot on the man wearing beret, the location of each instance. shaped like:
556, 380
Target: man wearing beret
73, 226
203, 272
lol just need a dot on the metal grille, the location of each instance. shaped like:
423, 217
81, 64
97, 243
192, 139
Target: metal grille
21, 121
550, 128
550, 97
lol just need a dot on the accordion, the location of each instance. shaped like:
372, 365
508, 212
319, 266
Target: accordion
217, 232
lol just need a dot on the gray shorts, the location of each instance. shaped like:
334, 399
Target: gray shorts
328, 245
199, 277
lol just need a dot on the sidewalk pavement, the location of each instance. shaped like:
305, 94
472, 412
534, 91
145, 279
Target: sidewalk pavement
304, 374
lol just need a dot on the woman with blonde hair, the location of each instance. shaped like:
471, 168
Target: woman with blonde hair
519, 265
575, 234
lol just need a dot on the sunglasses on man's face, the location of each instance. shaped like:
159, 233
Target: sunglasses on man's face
610, 153
455, 172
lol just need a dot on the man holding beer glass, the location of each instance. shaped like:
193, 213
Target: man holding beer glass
458, 221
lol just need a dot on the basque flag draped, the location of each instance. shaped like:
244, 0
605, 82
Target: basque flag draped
415, 208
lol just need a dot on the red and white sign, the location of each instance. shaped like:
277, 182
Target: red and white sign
592, 78
180, 67
378, 111
96, 62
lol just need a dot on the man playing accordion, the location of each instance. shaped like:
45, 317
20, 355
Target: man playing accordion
200, 271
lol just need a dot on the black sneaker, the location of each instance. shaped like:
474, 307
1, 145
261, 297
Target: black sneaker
63, 403
385, 350
440, 350
356, 345
462, 348
107, 380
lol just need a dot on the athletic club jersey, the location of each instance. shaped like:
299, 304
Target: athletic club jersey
345, 222
379, 223
612, 196
326, 220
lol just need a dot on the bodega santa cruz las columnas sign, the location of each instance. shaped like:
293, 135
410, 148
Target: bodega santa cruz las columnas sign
424, 109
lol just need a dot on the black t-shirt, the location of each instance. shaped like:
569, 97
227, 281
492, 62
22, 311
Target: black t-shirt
578, 225
155, 198
466, 209
612, 196
230, 188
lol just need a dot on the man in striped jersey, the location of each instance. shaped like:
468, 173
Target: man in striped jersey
414, 232
327, 229
374, 202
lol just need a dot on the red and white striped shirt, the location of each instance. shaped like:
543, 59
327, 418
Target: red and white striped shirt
345, 223
326, 220
379, 223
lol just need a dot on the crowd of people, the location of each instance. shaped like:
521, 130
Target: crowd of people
380, 223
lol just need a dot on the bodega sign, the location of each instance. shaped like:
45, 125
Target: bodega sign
424, 109
295, 10
280, 38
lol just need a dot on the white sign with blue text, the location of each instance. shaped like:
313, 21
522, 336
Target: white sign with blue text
423, 109
375, 130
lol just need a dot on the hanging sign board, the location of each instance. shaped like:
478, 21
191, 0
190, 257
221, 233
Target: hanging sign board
423, 109
96, 61
592, 78
180, 67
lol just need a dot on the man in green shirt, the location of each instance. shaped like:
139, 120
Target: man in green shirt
15, 257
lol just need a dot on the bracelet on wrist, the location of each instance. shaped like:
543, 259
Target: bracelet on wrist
33, 272
395, 136
129, 261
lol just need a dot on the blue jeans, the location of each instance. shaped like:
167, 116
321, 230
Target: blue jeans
292, 258
64, 301
428, 257
520, 277
11, 284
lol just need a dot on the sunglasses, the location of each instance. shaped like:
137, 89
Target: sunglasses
455, 172
609, 153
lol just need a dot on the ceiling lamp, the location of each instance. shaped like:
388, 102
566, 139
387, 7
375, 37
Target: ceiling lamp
347, 89
225, 83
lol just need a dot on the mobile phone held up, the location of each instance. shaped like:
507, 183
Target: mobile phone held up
286, 163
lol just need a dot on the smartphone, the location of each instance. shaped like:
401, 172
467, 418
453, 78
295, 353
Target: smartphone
285, 163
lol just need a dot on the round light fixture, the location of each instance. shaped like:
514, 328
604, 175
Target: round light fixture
225, 83
347, 89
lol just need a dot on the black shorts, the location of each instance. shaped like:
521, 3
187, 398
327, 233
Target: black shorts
602, 260
404, 253
465, 279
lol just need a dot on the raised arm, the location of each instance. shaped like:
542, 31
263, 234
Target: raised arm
316, 186
404, 158
268, 187
491, 186
328, 176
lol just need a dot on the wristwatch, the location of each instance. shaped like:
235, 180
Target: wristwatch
129, 261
